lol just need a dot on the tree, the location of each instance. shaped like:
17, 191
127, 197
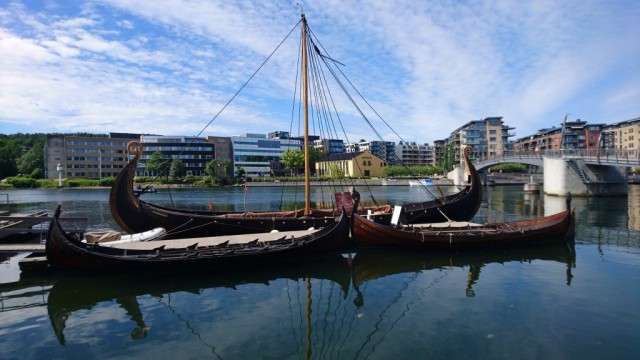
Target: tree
315, 154
227, 168
31, 160
158, 165
336, 172
177, 169
36, 173
9, 152
240, 173
210, 168
293, 159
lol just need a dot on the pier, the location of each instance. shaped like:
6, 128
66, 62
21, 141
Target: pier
26, 232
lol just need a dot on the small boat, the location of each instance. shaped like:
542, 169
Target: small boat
139, 190
66, 251
464, 235
113, 237
421, 182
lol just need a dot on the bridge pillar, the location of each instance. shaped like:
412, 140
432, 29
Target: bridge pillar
458, 175
564, 176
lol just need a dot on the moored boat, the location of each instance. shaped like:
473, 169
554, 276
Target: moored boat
421, 182
135, 215
66, 251
464, 235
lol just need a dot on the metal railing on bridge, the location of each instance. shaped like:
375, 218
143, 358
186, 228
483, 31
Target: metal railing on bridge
626, 157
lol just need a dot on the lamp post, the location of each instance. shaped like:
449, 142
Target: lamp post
60, 169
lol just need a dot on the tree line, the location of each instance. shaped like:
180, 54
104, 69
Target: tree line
23, 154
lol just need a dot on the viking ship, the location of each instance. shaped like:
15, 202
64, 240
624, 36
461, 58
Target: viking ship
454, 236
68, 251
135, 215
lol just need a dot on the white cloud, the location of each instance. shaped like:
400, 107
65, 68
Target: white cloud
426, 67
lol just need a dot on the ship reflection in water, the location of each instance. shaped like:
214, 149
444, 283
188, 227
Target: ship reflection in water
342, 304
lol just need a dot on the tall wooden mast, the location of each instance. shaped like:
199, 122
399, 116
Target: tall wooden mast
305, 97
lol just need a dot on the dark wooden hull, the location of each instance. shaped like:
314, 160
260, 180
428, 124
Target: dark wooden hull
135, 216
461, 206
64, 251
557, 227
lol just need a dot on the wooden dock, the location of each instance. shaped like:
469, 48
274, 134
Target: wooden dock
32, 224
17, 248
20, 223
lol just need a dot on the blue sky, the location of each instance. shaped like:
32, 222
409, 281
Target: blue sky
427, 67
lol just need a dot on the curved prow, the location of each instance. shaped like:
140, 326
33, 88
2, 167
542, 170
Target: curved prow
122, 198
474, 180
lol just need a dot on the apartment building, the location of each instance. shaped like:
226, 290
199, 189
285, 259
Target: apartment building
622, 135
571, 135
412, 154
487, 137
87, 157
330, 146
384, 150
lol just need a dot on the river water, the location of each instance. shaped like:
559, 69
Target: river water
568, 301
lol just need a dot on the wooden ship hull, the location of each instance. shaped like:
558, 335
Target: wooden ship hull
454, 236
135, 215
65, 251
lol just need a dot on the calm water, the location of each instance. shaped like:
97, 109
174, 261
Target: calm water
561, 302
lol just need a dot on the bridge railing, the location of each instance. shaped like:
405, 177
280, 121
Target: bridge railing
510, 155
621, 156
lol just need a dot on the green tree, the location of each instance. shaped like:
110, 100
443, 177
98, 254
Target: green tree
315, 155
31, 160
177, 169
227, 168
158, 165
292, 159
9, 152
240, 173
336, 172
37, 173
210, 168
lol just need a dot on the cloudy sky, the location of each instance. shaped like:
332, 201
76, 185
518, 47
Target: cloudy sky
427, 67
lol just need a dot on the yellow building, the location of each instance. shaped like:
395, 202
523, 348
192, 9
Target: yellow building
354, 165
623, 135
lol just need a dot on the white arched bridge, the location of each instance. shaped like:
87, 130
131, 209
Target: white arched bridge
599, 172
609, 157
